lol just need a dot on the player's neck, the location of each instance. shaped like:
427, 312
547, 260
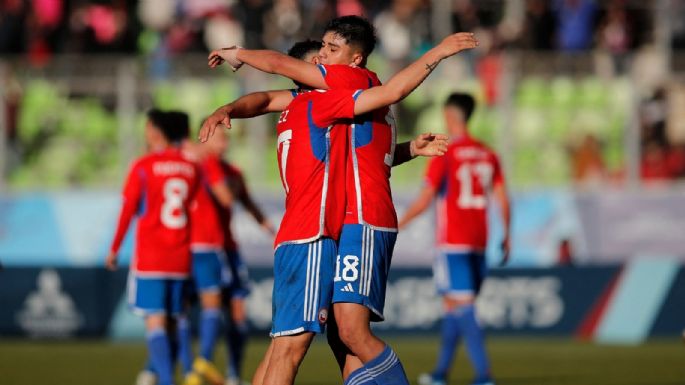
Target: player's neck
459, 132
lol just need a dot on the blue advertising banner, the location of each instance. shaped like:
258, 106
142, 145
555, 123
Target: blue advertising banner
76, 302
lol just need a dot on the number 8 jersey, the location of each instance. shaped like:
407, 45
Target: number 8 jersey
463, 178
159, 190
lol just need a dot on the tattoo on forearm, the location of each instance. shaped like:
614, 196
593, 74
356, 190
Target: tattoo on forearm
430, 67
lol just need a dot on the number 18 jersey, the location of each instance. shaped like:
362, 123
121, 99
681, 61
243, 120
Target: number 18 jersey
463, 178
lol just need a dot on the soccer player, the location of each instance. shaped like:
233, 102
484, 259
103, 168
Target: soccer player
159, 189
385, 366
227, 185
462, 181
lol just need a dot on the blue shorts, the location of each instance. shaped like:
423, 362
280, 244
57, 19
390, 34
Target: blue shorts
303, 281
208, 270
148, 296
362, 267
459, 274
235, 280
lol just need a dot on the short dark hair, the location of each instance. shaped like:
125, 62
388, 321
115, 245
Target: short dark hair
172, 124
180, 125
356, 30
464, 102
302, 48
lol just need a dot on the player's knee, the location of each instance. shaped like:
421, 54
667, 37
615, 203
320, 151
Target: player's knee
291, 348
353, 335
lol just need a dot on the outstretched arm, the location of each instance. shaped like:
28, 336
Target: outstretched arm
418, 206
248, 106
271, 62
239, 189
405, 81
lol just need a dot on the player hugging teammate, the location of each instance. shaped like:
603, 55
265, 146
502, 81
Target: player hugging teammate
336, 145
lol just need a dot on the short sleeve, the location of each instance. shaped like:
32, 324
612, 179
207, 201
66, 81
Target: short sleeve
435, 172
213, 171
332, 105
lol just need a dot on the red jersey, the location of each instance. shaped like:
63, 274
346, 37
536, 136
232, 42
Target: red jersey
372, 145
222, 172
311, 160
463, 178
159, 189
207, 232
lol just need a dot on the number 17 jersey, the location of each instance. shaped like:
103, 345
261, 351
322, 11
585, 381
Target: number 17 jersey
463, 178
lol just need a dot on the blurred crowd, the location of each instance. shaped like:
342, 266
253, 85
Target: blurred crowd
42, 27
161, 29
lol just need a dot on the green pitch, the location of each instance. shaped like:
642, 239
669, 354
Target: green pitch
516, 361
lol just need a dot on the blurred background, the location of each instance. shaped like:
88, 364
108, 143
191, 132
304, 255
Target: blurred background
584, 101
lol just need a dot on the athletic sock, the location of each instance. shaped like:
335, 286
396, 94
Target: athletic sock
386, 369
360, 377
185, 349
475, 341
209, 329
160, 355
236, 338
448, 345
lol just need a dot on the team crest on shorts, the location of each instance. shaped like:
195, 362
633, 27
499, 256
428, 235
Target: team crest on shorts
323, 315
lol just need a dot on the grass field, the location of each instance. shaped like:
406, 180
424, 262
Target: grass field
516, 361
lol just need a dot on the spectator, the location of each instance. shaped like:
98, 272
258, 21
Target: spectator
587, 166
576, 19
654, 166
540, 26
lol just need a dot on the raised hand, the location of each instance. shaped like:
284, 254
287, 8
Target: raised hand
429, 145
228, 55
457, 42
217, 118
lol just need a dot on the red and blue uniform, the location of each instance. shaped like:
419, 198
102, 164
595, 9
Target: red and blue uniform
463, 179
159, 190
235, 277
207, 235
370, 230
311, 159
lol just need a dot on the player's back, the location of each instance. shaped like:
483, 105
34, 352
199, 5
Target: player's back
311, 159
234, 178
372, 144
463, 177
207, 231
168, 182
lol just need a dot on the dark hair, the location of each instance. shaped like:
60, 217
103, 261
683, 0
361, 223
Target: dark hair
180, 125
464, 102
302, 48
357, 31
172, 124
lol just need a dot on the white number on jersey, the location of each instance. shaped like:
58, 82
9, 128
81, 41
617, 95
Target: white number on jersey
283, 117
350, 272
284, 138
173, 213
467, 172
